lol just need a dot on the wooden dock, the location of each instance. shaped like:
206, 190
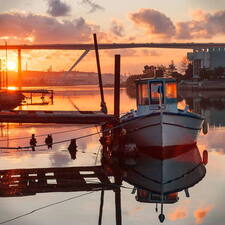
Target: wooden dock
66, 117
23, 182
26, 182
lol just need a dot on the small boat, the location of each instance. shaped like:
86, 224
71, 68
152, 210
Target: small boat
10, 99
158, 122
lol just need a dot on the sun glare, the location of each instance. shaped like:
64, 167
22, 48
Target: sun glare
12, 88
11, 65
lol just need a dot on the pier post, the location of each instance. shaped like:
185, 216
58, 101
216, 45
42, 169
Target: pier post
118, 206
117, 88
101, 208
19, 69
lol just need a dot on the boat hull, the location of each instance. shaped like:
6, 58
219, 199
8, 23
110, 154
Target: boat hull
163, 129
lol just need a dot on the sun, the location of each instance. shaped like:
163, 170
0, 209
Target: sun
11, 65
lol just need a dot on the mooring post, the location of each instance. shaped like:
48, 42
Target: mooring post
118, 206
103, 104
101, 208
117, 131
19, 69
117, 88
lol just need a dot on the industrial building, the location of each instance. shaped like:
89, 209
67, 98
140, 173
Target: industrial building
206, 58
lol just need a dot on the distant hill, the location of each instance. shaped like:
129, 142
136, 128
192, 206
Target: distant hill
50, 78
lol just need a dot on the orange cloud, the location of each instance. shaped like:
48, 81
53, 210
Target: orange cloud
27, 27
133, 210
203, 25
154, 22
179, 213
201, 213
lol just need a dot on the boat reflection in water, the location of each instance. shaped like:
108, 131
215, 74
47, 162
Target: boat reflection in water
158, 175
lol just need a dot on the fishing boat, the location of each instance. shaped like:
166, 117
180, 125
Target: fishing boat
158, 122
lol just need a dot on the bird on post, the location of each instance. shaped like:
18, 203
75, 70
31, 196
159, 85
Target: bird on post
33, 142
73, 149
49, 141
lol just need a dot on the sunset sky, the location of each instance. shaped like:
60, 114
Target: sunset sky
74, 21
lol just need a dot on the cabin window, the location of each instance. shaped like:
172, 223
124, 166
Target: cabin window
143, 97
156, 92
171, 90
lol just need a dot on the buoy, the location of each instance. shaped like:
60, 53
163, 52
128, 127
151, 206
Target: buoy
33, 142
49, 141
205, 127
205, 157
73, 149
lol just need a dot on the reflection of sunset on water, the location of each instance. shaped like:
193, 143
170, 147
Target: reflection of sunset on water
185, 211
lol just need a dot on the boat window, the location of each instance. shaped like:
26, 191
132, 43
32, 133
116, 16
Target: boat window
171, 90
156, 92
143, 98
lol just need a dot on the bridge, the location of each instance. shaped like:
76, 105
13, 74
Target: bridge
105, 46
190, 45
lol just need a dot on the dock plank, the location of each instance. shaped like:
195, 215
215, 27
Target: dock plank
23, 182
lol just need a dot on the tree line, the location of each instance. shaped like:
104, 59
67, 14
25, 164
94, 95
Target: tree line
186, 72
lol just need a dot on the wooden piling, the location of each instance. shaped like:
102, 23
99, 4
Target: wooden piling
118, 206
101, 208
117, 88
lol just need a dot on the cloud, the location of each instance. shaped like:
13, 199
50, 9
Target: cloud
178, 214
132, 211
117, 28
203, 25
201, 213
93, 6
45, 29
58, 8
154, 22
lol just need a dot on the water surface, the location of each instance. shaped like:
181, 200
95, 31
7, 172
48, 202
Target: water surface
206, 202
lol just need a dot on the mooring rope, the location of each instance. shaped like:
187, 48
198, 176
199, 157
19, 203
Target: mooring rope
42, 135
77, 138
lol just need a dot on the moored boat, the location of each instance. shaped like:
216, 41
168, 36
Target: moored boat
158, 122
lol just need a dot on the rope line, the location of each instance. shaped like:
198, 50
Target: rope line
44, 207
59, 202
42, 135
77, 138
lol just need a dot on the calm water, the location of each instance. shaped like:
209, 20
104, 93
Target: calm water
204, 206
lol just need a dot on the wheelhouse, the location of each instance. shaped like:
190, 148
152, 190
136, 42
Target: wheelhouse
156, 91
